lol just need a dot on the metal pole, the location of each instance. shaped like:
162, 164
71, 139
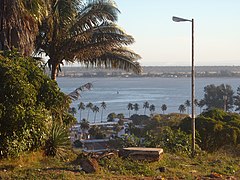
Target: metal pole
193, 93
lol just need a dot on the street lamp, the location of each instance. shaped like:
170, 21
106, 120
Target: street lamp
178, 19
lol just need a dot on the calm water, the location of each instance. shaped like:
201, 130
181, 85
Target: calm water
157, 91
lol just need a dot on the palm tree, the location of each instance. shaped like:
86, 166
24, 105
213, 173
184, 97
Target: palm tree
164, 108
130, 108
72, 110
196, 102
84, 125
145, 107
201, 103
86, 33
182, 108
136, 107
187, 104
89, 106
152, 108
81, 107
103, 106
95, 109
19, 24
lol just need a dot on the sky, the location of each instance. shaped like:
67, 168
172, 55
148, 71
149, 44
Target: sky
162, 42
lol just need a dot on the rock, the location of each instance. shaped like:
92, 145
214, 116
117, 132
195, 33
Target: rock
89, 165
140, 153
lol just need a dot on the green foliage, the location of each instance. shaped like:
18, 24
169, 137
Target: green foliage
96, 132
58, 142
124, 141
175, 141
214, 96
139, 119
215, 128
111, 117
29, 101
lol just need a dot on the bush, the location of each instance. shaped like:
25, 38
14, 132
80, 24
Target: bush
216, 129
58, 142
29, 101
174, 141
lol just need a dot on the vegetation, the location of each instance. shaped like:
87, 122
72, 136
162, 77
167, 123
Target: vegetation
19, 24
214, 96
29, 103
215, 129
35, 115
75, 29
58, 142
223, 163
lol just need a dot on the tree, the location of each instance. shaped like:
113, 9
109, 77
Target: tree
30, 103
86, 33
214, 96
196, 102
81, 107
136, 107
164, 108
201, 104
182, 108
187, 104
103, 106
95, 109
152, 108
216, 128
89, 106
84, 125
145, 106
120, 116
130, 108
19, 24
111, 117
96, 132
237, 100
72, 110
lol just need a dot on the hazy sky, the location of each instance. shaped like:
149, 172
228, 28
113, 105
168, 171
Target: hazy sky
160, 41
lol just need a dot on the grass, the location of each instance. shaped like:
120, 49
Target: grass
36, 166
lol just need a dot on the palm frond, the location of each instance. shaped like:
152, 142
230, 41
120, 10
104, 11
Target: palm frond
119, 58
94, 13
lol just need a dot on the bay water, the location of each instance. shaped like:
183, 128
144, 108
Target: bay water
117, 93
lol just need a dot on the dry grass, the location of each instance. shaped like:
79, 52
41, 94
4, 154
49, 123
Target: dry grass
36, 166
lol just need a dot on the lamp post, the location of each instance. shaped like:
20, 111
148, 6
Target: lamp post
178, 19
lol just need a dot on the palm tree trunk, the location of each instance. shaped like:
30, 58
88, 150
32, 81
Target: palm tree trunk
102, 115
88, 114
80, 115
54, 71
95, 117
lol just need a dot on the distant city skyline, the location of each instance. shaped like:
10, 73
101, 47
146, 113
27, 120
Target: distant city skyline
162, 42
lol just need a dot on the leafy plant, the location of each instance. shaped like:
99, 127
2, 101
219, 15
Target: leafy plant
175, 141
58, 142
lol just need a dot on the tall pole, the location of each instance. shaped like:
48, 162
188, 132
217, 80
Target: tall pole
193, 93
178, 19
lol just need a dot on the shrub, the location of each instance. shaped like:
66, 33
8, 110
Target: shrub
58, 142
216, 129
175, 141
29, 101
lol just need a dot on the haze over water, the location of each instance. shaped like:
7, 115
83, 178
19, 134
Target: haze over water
118, 92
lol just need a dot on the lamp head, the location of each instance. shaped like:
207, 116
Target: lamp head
178, 19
